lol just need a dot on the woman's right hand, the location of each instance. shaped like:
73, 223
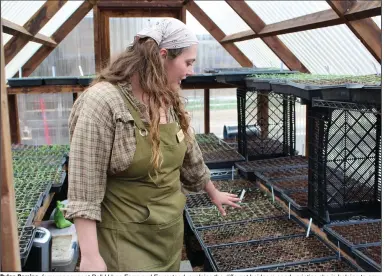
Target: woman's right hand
92, 263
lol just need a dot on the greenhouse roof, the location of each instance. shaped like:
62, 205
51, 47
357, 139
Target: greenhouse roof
322, 37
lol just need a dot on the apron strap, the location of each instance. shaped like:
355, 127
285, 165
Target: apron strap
134, 112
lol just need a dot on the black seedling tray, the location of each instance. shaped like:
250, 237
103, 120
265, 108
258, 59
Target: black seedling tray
61, 81
234, 186
287, 173
20, 82
365, 261
85, 81
222, 159
355, 93
223, 174
237, 232
300, 208
207, 138
344, 243
29, 220
332, 265
26, 237
262, 250
248, 168
56, 187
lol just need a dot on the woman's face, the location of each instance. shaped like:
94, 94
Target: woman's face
181, 67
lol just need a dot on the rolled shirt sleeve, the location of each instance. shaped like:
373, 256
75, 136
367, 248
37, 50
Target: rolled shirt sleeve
194, 174
91, 142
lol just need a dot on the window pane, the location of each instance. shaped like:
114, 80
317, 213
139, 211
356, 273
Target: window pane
19, 12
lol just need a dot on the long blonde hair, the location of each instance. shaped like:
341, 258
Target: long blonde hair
143, 57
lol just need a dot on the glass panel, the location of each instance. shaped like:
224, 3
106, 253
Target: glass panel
60, 17
21, 58
210, 53
44, 118
6, 38
224, 16
332, 50
260, 54
77, 49
195, 106
19, 12
377, 20
276, 11
122, 31
300, 113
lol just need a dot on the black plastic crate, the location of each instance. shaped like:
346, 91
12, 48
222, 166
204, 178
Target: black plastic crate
248, 168
348, 235
26, 236
369, 257
250, 231
210, 216
274, 115
333, 265
253, 256
20, 82
344, 162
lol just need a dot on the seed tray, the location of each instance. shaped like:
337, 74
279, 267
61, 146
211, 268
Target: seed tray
209, 138
298, 200
264, 254
25, 216
26, 236
368, 257
198, 200
281, 174
249, 167
233, 185
250, 231
333, 265
34, 198
282, 186
22, 82
214, 147
222, 159
351, 234
224, 174
60, 80
210, 216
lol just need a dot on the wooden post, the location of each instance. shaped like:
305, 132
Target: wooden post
14, 119
206, 110
10, 254
101, 38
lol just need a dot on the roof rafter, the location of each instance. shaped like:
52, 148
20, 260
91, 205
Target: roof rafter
58, 36
273, 42
139, 4
366, 30
19, 31
310, 21
217, 33
33, 26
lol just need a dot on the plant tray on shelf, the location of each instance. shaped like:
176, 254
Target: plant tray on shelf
60, 80
249, 167
20, 82
283, 174
26, 236
250, 231
232, 186
25, 216
85, 81
222, 158
353, 233
333, 265
207, 138
198, 200
298, 200
224, 174
368, 257
252, 256
210, 216
287, 185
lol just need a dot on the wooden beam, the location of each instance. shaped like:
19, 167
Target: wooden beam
307, 22
366, 30
101, 38
217, 33
138, 4
17, 30
206, 111
183, 15
33, 26
10, 252
58, 36
273, 42
14, 119
45, 89
142, 12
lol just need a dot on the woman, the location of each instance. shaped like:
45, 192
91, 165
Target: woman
131, 146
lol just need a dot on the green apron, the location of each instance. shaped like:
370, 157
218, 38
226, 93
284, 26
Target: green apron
142, 223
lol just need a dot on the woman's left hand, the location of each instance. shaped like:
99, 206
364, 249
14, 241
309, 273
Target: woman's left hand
219, 198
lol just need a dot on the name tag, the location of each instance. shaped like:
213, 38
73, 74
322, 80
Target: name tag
180, 136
